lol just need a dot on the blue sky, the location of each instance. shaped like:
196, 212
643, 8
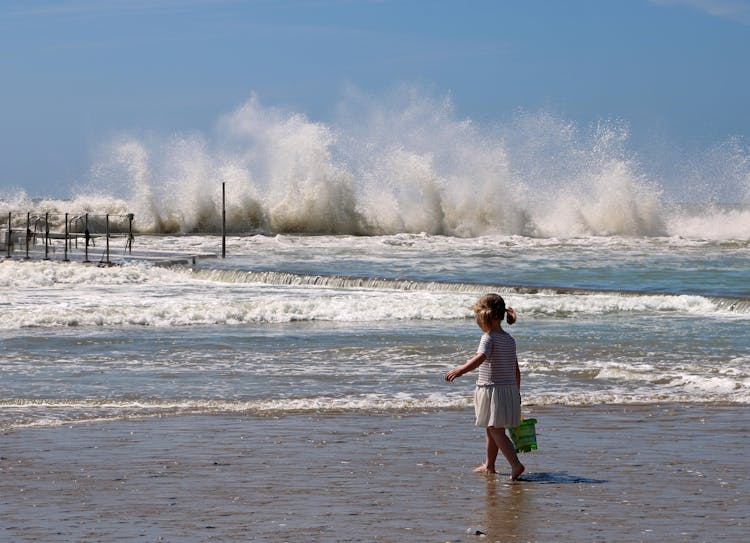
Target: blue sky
76, 73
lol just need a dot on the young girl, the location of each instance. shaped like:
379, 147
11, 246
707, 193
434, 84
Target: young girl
497, 398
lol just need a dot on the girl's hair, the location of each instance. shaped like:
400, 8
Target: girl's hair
491, 307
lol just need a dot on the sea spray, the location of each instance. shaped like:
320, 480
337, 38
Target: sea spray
305, 191
411, 164
581, 183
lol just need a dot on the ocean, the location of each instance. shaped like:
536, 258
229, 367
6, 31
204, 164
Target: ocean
343, 324
294, 390
354, 254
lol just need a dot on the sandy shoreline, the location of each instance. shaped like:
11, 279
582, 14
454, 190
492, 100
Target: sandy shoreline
613, 473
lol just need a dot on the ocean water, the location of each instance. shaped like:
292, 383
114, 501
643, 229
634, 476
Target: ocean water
356, 250
339, 324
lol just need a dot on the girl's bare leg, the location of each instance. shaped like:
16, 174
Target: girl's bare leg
492, 450
505, 445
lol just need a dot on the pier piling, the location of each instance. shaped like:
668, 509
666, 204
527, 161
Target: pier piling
9, 239
64, 228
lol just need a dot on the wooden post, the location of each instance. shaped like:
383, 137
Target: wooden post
86, 235
129, 244
10, 232
65, 258
223, 221
28, 233
106, 220
46, 236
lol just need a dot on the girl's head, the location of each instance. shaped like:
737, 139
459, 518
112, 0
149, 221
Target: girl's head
490, 308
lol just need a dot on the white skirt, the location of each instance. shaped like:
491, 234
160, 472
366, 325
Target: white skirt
498, 406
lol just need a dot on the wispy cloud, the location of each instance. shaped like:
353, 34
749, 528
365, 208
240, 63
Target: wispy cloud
736, 10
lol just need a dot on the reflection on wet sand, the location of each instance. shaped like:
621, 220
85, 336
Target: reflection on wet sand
506, 505
511, 507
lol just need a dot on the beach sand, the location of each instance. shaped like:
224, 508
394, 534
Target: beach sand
611, 473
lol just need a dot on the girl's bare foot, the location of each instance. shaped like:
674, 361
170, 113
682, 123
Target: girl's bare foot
484, 469
517, 471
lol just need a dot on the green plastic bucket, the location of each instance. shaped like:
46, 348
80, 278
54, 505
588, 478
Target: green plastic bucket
524, 436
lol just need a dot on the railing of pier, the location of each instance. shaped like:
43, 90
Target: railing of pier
57, 235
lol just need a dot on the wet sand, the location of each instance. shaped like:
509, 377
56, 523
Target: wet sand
614, 473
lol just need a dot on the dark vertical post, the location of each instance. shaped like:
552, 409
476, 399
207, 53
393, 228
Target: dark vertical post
28, 233
106, 221
223, 220
86, 235
65, 258
10, 232
46, 236
130, 233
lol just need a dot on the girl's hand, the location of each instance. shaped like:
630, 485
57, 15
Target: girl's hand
452, 374
471, 365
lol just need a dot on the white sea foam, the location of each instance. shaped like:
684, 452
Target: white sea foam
20, 414
56, 412
49, 294
18, 274
713, 223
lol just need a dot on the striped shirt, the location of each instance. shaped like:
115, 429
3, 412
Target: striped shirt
500, 366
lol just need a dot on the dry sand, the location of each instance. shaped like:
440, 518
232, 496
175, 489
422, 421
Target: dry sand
615, 473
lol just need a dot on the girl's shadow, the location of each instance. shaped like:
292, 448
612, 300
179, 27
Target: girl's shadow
557, 478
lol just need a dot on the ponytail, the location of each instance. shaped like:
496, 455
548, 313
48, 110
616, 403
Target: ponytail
492, 306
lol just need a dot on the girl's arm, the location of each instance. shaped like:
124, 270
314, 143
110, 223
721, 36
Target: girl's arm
472, 364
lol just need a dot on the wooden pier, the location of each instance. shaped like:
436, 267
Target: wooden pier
102, 239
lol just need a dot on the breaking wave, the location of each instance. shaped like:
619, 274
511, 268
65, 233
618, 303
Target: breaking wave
596, 301
410, 164
141, 295
58, 412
